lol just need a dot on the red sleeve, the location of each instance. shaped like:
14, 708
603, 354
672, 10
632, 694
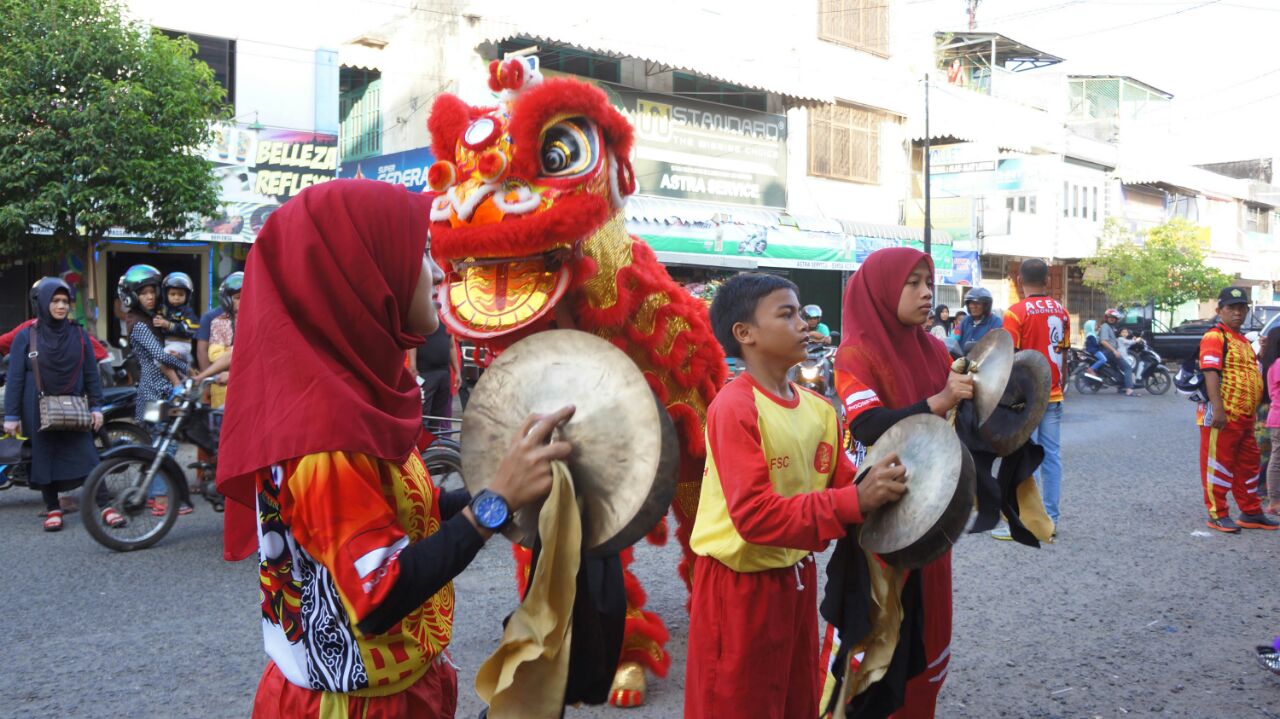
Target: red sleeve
334, 504
6, 339
761, 516
844, 473
1211, 351
1013, 325
99, 352
856, 396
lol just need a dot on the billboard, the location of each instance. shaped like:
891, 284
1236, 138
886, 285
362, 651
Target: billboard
408, 168
259, 170
695, 150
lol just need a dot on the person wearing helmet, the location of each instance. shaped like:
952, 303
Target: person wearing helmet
1109, 339
979, 320
138, 291
818, 332
6, 340
176, 320
228, 291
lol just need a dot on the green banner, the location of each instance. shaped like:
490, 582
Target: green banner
768, 247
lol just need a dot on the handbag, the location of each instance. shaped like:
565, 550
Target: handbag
59, 412
11, 449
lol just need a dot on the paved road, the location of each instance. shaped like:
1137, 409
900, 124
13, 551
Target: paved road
1134, 612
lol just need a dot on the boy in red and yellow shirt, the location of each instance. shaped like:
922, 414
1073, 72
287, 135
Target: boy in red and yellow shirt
776, 488
1229, 457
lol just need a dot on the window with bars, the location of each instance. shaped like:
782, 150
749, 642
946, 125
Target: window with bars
359, 113
1256, 219
860, 24
844, 143
216, 52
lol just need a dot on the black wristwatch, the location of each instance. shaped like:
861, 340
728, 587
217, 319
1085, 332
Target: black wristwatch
491, 511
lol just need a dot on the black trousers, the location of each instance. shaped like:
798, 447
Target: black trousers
437, 397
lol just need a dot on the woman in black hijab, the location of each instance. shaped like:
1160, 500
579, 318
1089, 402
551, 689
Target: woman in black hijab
60, 460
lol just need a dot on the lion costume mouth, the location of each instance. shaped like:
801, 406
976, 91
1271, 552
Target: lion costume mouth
490, 297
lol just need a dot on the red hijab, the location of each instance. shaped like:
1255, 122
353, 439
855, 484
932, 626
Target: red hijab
903, 364
319, 364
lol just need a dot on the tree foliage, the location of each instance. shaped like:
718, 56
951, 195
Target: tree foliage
1164, 266
100, 121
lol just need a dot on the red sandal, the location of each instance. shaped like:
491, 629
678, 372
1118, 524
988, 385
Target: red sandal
113, 519
53, 520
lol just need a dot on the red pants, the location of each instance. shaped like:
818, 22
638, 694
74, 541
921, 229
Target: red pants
434, 696
753, 643
1229, 459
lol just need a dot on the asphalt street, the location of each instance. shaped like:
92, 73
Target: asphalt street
1137, 610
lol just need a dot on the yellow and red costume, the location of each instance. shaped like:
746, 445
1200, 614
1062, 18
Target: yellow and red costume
528, 225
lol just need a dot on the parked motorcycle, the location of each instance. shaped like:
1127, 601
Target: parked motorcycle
1149, 372
117, 429
128, 471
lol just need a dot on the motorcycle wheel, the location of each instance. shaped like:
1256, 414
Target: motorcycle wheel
142, 529
444, 464
114, 434
1159, 381
1084, 385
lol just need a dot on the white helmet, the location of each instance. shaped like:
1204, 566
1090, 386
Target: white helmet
812, 312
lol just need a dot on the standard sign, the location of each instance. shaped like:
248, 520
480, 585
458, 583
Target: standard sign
702, 151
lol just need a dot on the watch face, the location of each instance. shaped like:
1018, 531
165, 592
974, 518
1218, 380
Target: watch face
491, 511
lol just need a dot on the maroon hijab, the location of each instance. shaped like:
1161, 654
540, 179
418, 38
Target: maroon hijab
903, 364
319, 364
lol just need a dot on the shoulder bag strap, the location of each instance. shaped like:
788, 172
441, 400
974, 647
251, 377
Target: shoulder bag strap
34, 356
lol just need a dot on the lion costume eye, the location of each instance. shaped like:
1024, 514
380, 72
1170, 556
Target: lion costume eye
569, 148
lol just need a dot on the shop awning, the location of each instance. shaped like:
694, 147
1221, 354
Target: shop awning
666, 34
742, 237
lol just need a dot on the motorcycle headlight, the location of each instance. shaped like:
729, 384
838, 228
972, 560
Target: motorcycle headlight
809, 373
153, 412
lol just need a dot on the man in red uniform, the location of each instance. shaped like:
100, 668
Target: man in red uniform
1040, 323
1229, 457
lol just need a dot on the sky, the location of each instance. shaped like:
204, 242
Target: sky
1218, 58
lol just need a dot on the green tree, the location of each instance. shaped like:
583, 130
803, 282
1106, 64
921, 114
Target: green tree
1164, 267
100, 121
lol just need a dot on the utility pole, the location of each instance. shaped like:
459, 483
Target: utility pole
928, 204
973, 14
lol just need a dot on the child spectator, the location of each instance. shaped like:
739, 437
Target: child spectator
176, 320
776, 488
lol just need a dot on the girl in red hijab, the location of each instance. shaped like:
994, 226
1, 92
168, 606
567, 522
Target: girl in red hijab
889, 368
357, 548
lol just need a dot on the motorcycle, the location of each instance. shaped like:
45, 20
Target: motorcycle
1149, 372
817, 371
129, 472
118, 428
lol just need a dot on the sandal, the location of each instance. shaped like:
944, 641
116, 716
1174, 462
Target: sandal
53, 521
159, 506
113, 519
185, 509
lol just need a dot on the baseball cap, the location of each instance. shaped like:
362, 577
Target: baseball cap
1233, 296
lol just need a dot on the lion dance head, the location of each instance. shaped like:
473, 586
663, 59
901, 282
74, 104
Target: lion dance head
520, 187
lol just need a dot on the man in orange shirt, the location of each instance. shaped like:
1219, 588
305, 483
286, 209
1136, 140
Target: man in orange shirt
1040, 323
1229, 457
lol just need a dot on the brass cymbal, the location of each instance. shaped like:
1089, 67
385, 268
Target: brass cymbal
625, 452
1025, 399
990, 361
933, 513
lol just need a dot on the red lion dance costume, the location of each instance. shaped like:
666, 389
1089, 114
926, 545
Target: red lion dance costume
528, 225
